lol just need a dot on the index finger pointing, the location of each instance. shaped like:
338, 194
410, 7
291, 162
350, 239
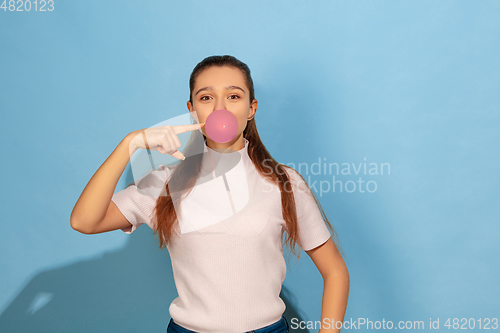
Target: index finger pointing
185, 128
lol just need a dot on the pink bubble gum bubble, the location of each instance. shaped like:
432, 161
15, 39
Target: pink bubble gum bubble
221, 126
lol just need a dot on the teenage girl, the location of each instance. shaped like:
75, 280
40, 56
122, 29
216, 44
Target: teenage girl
221, 211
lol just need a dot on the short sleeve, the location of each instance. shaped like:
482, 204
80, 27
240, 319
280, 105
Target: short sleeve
137, 201
312, 229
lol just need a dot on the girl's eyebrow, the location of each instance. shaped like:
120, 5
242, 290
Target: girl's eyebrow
212, 88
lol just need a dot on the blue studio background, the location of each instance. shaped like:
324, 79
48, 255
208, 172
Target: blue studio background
405, 93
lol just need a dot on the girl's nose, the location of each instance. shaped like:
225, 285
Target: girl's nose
220, 105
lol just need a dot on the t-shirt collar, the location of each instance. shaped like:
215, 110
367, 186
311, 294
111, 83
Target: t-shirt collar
243, 152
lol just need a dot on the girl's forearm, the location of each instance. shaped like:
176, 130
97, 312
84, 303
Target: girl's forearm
93, 203
334, 304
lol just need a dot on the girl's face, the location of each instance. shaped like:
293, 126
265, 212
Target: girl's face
222, 88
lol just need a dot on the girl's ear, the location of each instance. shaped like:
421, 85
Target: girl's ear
253, 109
252, 113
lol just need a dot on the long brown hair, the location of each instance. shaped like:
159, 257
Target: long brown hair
186, 172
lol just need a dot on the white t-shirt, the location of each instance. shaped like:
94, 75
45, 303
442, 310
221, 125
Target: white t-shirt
228, 271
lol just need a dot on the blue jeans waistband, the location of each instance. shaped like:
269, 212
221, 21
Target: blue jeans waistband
281, 326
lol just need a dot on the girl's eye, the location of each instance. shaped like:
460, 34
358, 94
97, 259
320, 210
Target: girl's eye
202, 98
234, 95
